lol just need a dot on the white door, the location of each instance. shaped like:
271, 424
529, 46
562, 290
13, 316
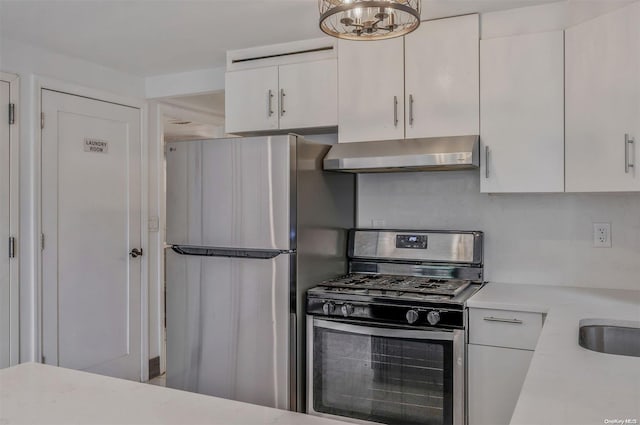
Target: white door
251, 100
442, 79
603, 103
309, 94
522, 113
91, 193
370, 90
5, 230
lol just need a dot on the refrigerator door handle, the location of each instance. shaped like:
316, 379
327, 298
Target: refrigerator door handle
261, 254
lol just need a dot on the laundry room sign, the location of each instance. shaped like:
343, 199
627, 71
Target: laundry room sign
95, 145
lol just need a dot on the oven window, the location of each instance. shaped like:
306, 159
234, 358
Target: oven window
381, 379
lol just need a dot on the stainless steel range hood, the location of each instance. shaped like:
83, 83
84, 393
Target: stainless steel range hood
427, 154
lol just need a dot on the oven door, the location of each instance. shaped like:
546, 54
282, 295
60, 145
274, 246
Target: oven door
378, 373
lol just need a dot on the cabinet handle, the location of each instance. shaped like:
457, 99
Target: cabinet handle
501, 320
627, 156
282, 95
486, 161
395, 111
410, 109
270, 103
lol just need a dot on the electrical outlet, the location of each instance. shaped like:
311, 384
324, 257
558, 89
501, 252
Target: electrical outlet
602, 235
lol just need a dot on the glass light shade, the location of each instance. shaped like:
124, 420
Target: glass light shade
368, 19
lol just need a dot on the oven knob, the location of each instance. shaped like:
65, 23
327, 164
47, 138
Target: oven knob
412, 316
433, 317
346, 309
328, 307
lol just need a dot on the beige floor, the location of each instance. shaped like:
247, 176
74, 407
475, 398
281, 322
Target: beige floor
161, 381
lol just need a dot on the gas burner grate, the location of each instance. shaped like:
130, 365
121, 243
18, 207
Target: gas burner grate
398, 284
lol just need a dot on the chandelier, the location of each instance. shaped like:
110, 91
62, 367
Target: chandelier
368, 19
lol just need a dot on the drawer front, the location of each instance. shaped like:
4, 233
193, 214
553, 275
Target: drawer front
504, 328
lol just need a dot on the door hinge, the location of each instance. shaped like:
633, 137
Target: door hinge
12, 113
41, 120
12, 247
42, 241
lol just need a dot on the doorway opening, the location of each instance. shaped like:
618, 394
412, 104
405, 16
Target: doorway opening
181, 118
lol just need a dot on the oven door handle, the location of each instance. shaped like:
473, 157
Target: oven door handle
423, 334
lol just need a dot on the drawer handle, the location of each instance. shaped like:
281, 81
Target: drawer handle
501, 320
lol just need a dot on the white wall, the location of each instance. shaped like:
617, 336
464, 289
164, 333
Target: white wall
28, 62
156, 238
529, 238
545, 17
185, 83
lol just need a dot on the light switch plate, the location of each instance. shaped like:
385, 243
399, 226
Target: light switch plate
154, 223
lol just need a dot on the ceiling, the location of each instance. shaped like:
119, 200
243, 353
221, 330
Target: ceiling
208, 103
153, 37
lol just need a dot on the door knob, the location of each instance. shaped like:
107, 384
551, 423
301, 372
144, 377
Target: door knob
135, 252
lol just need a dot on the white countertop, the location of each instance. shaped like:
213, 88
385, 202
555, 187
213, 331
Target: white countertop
32, 393
567, 384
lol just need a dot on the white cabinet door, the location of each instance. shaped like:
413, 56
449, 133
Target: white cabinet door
442, 82
309, 94
603, 102
251, 100
522, 113
496, 376
370, 90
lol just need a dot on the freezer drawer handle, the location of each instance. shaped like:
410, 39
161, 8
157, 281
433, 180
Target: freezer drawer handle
135, 253
259, 254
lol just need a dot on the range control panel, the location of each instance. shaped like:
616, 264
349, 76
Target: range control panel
411, 241
409, 315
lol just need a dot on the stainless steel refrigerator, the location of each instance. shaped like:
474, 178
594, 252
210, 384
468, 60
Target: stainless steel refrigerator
252, 223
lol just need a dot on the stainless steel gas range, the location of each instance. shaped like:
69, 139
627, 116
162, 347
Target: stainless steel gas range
386, 342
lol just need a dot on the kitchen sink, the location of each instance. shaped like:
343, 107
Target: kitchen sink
610, 336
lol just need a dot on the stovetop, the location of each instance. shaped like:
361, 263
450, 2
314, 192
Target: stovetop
365, 283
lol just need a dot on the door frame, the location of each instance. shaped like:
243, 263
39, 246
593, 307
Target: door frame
42, 83
14, 217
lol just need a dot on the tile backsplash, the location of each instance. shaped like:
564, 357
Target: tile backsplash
544, 239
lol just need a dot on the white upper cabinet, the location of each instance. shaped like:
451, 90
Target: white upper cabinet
308, 94
522, 113
282, 87
251, 100
371, 90
441, 78
603, 103
423, 85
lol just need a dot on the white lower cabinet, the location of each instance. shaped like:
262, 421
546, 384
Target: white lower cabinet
501, 344
496, 375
